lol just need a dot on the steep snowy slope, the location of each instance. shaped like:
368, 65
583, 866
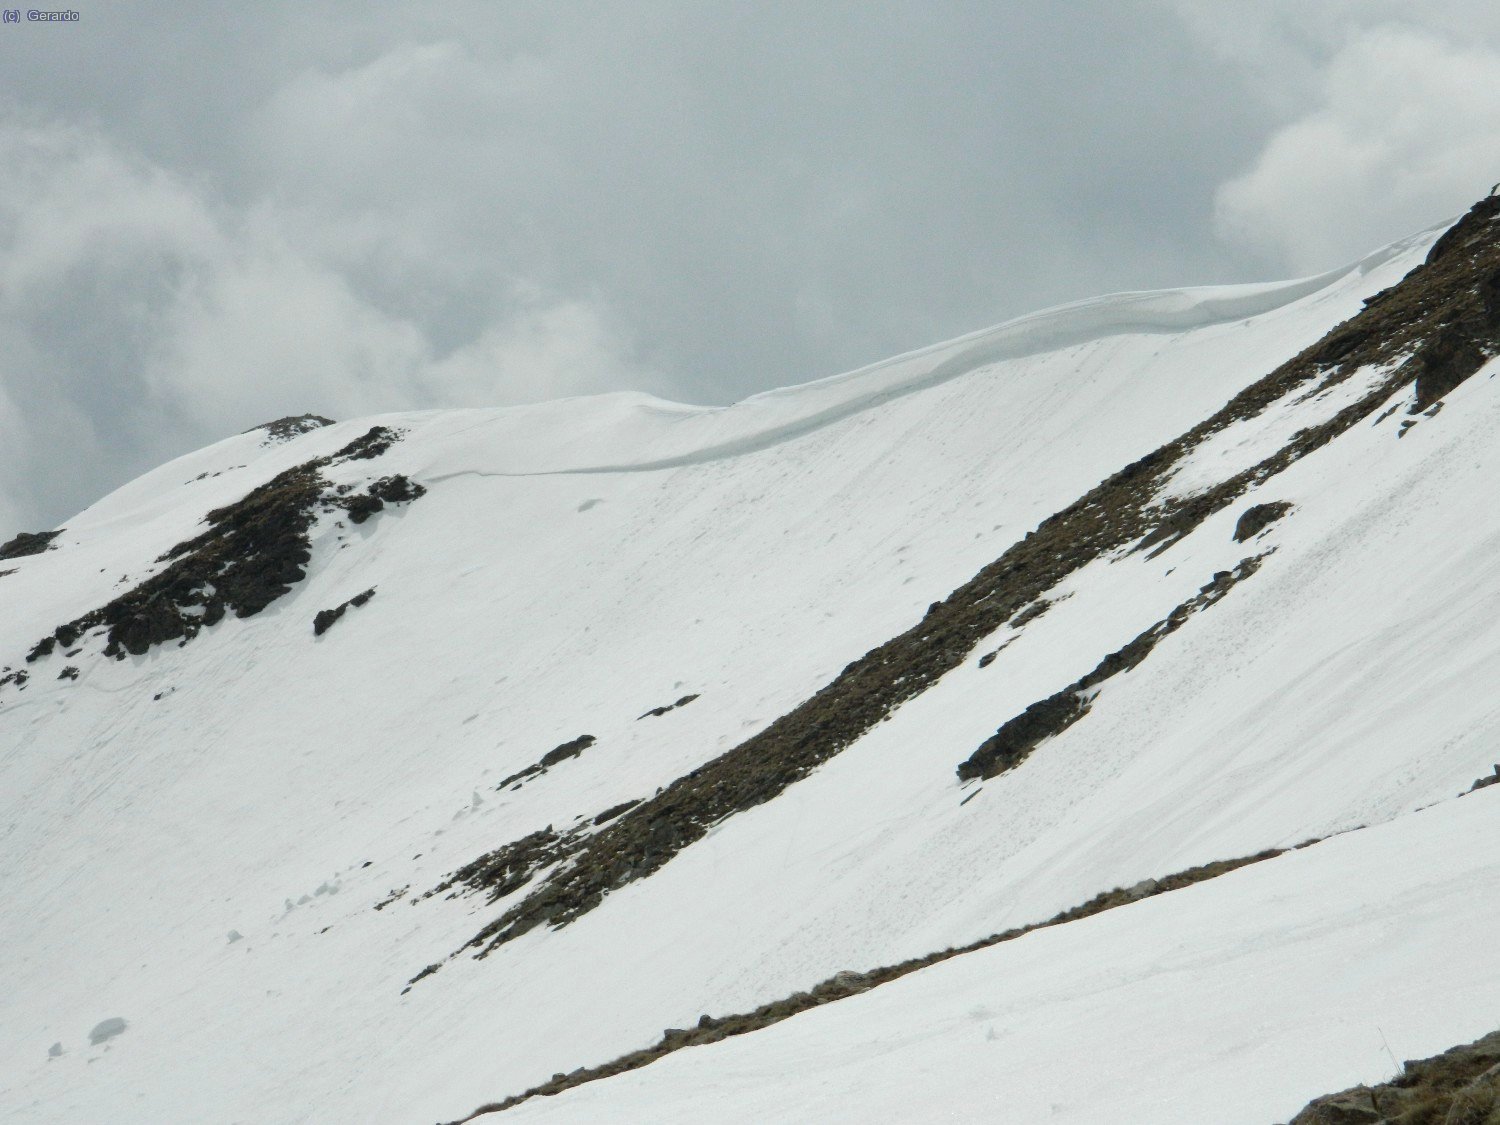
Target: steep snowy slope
222, 829
1227, 1002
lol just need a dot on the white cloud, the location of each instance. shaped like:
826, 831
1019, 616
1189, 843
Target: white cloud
142, 316
14, 451
492, 203
551, 348
265, 327
1401, 134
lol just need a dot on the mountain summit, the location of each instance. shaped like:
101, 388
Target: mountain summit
1087, 719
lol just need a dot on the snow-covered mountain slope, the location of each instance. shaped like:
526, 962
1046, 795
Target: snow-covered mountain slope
1227, 1003
887, 605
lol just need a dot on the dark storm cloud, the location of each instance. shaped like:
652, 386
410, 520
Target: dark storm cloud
215, 214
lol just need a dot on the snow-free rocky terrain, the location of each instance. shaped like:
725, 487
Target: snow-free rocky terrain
1079, 721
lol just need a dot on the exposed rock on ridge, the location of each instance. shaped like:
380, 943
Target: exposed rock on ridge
291, 426
253, 552
28, 543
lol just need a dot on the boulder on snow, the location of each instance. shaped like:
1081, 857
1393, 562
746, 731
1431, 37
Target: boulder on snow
1257, 518
28, 543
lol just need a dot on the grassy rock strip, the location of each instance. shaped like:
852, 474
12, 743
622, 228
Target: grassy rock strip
506, 869
711, 1029
1013, 743
1459, 1087
503, 870
1431, 330
252, 553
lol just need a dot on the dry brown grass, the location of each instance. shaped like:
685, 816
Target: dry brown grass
1459, 1087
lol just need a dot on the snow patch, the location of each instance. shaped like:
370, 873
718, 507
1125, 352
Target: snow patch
1244, 444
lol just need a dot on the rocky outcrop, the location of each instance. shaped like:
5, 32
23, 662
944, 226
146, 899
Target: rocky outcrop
1257, 518
1486, 781
252, 553
325, 619
28, 543
570, 749
291, 426
1459, 1087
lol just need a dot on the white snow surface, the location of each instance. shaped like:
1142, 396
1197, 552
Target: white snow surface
1227, 1002
574, 564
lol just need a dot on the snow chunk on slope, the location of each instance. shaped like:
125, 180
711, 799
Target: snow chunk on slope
106, 1030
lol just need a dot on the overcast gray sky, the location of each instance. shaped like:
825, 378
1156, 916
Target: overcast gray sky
213, 214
